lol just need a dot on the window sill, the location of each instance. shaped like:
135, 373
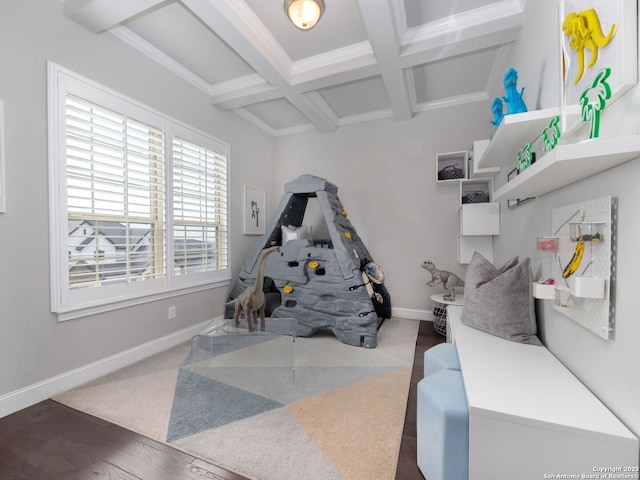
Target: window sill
73, 314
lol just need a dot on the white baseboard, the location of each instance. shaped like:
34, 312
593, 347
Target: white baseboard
412, 314
17, 400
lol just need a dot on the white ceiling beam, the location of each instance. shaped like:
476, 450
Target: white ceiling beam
345, 61
313, 106
378, 16
240, 28
158, 56
243, 91
101, 15
348, 64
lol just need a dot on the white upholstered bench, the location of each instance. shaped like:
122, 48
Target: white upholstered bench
529, 416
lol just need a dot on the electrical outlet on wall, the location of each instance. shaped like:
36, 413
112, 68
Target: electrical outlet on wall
172, 312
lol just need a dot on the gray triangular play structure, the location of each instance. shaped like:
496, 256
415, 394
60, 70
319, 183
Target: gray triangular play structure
324, 284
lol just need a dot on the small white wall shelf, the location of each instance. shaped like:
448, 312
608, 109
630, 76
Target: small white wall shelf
476, 191
480, 219
478, 152
478, 223
446, 162
514, 131
567, 164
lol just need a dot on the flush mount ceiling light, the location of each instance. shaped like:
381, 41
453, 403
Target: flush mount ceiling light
304, 14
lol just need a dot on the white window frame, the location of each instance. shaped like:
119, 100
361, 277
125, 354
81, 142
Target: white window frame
70, 303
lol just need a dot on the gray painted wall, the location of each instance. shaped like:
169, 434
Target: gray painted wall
385, 173
34, 346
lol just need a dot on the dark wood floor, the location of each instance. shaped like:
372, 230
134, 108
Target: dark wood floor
407, 460
49, 441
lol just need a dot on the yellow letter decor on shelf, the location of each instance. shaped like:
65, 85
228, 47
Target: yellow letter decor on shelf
586, 34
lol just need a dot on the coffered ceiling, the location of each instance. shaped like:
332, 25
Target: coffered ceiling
365, 59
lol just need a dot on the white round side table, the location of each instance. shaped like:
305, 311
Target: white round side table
440, 310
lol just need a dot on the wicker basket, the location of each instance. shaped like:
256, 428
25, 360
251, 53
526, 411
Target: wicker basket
476, 197
450, 172
440, 319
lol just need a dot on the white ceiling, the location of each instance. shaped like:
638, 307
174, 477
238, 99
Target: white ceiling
365, 59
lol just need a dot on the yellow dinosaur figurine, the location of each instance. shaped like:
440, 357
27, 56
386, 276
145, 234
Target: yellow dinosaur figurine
586, 34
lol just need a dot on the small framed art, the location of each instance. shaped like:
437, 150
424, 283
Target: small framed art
254, 210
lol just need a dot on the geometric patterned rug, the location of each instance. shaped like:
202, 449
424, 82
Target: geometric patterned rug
269, 408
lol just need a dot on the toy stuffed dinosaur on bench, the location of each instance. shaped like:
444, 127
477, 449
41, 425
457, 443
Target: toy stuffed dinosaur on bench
449, 280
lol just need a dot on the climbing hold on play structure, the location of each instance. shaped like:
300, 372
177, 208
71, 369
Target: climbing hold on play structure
348, 235
287, 289
313, 264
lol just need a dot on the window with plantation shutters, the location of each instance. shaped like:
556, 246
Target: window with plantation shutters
199, 208
115, 196
139, 205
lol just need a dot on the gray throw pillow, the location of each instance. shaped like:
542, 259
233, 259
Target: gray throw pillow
499, 301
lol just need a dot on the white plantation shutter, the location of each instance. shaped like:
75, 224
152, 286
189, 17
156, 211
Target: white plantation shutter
199, 208
138, 202
115, 196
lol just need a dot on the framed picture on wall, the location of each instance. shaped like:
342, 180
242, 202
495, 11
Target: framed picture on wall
610, 42
254, 210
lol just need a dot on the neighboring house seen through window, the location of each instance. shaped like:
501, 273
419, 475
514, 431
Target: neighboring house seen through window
138, 203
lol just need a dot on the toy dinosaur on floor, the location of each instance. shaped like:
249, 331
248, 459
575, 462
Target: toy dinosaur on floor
252, 300
449, 280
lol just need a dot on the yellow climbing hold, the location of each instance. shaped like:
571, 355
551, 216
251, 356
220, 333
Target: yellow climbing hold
313, 264
287, 289
344, 213
348, 235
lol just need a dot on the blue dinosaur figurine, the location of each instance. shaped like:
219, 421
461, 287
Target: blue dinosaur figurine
513, 98
496, 109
